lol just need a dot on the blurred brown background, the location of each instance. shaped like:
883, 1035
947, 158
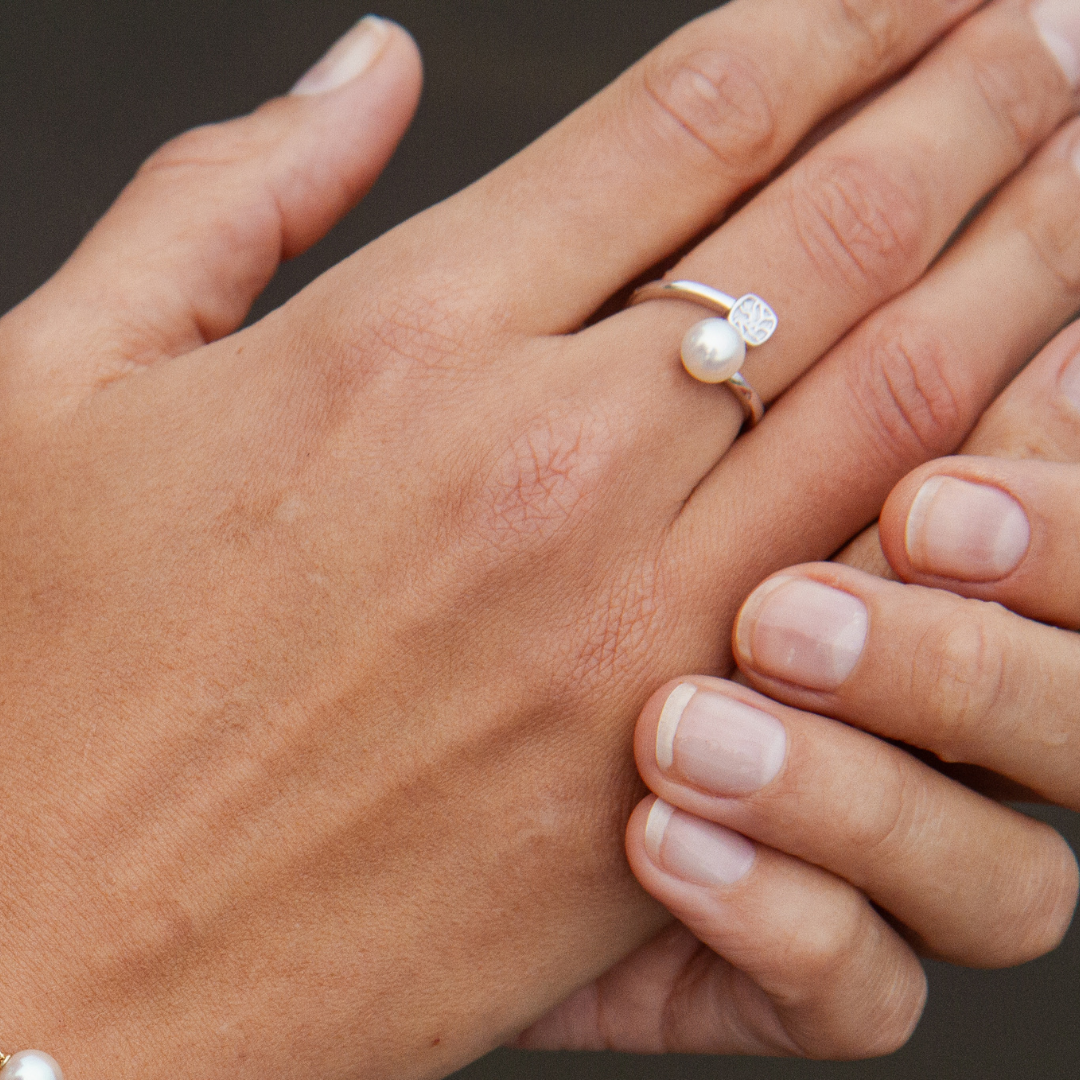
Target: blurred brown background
90, 87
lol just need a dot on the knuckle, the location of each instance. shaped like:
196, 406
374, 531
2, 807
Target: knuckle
719, 101
874, 27
892, 988
821, 951
1050, 230
860, 226
213, 146
892, 826
1021, 94
959, 677
902, 388
891, 1011
421, 332
1009, 103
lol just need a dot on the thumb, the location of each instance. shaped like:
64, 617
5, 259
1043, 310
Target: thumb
201, 230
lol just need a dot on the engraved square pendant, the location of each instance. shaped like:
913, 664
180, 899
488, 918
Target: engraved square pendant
754, 319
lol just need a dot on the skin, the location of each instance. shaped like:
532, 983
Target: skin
986, 686
323, 639
1002, 694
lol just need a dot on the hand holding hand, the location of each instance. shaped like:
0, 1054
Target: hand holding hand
778, 950
322, 638
989, 694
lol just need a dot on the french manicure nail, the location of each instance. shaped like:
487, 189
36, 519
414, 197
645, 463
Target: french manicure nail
1058, 22
696, 851
1070, 383
965, 531
348, 58
717, 743
802, 632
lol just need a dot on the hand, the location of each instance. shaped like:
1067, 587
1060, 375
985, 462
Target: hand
965, 679
321, 638
991, 695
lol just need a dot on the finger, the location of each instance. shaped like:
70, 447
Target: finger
641, 169
866, 811
861, 217
906, 387
801, 963
996, 530
1037, 417
966, 680
201, 230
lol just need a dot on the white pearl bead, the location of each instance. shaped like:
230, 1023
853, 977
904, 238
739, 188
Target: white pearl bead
713, 351
31, 1065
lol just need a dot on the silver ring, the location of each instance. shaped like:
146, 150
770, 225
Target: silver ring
714, 350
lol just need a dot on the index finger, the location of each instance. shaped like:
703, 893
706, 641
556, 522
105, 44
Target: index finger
659, 155
966, 680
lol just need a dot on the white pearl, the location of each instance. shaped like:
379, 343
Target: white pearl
713, 351
31, 1065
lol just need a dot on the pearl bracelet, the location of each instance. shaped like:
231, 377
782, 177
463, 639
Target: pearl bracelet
29, 1065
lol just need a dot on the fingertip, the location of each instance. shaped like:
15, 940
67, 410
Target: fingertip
896, 514
648, 731
372, 43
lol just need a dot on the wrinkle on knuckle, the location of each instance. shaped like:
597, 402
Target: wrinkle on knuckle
1014, 94
860, 227
875, 29
958, 680
212, 146
818, 952
420, 334
718, 101
893, 990
891, 826
902, 389
1054, 238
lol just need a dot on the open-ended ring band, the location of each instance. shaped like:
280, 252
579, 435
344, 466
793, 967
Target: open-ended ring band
714, 350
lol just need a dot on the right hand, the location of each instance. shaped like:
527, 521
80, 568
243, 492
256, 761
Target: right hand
322, 640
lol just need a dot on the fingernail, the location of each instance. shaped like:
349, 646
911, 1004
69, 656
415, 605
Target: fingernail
696, 851
802, 632
717, 743
348, 58
965, 531
1070, 383
1058, 22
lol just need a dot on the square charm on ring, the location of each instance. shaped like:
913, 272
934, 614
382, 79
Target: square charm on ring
754, 319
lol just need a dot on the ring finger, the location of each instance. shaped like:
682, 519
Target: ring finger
862, 215
903, 388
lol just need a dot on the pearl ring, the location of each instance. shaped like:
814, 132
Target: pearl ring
714, 351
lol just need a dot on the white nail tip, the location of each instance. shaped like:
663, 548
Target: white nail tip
672, 713
348, 59
744, 625
655, 828
920, 505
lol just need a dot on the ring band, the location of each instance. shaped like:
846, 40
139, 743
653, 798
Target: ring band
714, 350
